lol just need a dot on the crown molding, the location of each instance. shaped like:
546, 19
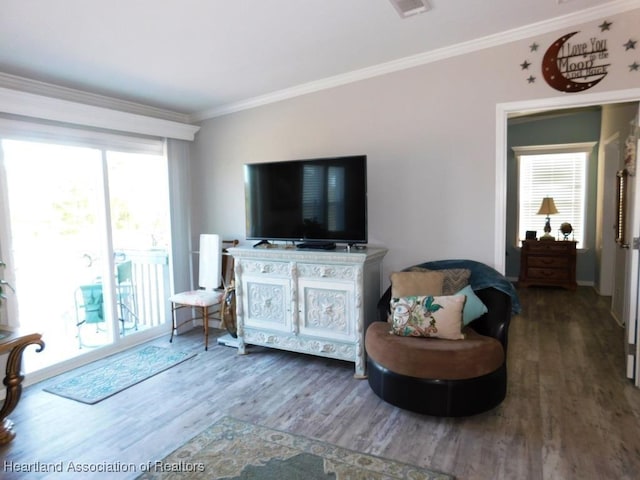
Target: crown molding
51, 91
528, 31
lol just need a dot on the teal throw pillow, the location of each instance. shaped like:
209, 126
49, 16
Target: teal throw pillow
473, 307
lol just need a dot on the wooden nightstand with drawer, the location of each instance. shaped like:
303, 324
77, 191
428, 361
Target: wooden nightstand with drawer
548, 262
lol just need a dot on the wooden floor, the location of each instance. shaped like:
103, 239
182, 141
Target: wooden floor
569, 411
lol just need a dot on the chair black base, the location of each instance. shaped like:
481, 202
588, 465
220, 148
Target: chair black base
441, 398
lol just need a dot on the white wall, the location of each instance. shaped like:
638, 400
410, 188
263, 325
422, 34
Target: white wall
616, 121
430, 136
615, 124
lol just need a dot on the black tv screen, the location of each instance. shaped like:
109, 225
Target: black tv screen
311, 200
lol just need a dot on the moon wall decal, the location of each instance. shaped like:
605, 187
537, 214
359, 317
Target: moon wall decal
556, 77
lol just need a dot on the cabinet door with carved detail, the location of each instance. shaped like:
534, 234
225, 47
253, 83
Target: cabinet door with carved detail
326, 309
267, 303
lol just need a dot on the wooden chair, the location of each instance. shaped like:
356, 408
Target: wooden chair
215, 273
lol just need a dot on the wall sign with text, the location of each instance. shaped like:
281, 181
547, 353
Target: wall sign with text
571, 66
580, 60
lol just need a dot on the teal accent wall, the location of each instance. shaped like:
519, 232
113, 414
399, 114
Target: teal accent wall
548, 129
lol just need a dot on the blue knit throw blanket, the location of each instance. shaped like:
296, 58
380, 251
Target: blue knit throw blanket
482, 276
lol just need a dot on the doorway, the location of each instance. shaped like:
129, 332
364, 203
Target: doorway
503, 112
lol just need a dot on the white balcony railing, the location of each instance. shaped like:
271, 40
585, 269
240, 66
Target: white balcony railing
150, 275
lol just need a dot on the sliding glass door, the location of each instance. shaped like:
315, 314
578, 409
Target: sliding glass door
140, 236
86, 239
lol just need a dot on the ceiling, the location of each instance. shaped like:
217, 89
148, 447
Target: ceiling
204, 57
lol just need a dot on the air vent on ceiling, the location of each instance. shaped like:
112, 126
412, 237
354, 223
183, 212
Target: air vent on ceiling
407, 8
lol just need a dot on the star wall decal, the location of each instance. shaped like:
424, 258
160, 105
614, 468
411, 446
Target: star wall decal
634, 67
605, 26
630, 45
531, 79
533, 47
525, 65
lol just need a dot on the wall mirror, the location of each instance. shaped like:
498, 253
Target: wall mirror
621, 216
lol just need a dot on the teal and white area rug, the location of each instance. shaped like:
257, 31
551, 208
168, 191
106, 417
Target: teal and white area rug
114, 374
236, 450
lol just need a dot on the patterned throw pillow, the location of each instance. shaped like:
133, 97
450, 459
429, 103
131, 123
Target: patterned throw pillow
428, 316
455, 279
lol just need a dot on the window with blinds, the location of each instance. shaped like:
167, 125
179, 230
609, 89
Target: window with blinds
335, 194
561, 176
320, 182
313, 193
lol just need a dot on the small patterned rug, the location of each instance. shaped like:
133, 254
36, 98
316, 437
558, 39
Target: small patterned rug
236, 450
114, 374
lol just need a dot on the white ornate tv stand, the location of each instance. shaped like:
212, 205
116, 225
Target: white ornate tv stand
307, 301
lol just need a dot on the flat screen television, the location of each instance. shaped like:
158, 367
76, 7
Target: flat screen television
317, 201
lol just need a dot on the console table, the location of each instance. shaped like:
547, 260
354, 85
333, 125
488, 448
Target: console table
307, 301
14, 344
548, 262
